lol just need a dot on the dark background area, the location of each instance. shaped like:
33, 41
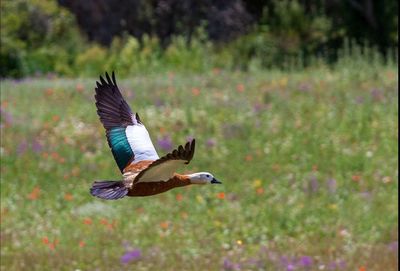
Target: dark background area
62, 36
224, 20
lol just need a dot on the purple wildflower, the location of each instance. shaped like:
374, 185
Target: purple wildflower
306, 261
366, 195
332, 185
359, 99
332, 266
284, 260
229, 265
22, 147
376, 94
337, 265
312, 185
165, 143
158, 102
16, 81
37, 147
255, 262
210, 143
342, 264
290, 267
6, 116
257, 107
132, 255
51, 75
304, 87
394, 246
189, 138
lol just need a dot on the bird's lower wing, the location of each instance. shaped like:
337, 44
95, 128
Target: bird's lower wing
165, 167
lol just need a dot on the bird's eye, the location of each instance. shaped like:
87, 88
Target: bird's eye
208, 176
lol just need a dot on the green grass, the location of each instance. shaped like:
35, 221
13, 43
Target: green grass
274, 139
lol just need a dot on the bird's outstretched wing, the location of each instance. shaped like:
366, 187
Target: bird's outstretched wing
126, 135
165, 167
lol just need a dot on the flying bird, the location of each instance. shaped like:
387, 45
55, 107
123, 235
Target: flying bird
144, 173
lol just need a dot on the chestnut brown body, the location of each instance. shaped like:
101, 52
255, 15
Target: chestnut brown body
152, 188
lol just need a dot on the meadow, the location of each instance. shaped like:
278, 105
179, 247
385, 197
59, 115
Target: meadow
308, 161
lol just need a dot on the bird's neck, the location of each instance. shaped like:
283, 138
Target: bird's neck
179, 180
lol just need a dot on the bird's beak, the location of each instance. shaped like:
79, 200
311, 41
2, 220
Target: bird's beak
215, 181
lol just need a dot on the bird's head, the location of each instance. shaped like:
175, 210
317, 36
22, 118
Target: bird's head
203, 178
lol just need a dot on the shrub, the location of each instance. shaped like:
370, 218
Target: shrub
37, 36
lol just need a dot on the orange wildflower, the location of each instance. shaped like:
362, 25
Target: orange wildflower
112, 225
248, 158
51, 245
55, 118
221, 195
179, 197
34, 194
68, 196
61, 160
45, 240
79, 87
216, 71
49, 92
103, 221
140, 210
4, 104
46, 125
87, 221
164, 225
362, 268
356, 178
195, 91
260, 191
45, 155
82, 243
240, 87
55, 155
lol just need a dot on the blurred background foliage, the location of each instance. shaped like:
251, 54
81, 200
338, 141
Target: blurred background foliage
72, 37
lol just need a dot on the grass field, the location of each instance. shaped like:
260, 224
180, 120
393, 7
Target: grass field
308, 162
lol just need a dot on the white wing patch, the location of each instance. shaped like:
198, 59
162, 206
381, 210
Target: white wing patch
161, 172
140, 142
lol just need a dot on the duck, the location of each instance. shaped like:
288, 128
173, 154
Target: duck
143, 172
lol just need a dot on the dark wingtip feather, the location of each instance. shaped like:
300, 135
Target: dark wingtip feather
138, 118
102, 80
192, 148
112, 107
113, 78
108, 79
109, 190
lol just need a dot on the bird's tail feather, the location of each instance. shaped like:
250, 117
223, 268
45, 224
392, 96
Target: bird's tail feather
109, 189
